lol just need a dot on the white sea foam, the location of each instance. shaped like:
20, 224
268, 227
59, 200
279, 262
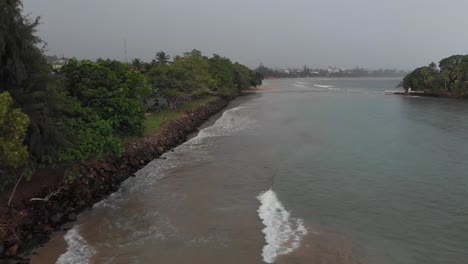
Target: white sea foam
145, 177
324, 86
231, 122
78, 252
283, 234
299, 85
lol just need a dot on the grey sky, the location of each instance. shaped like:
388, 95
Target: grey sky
369, 33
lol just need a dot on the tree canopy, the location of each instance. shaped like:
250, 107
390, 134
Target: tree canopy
24, 74
56, 114
451, 77
13, 153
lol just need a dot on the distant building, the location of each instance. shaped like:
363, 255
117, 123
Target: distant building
58, 64
332, 69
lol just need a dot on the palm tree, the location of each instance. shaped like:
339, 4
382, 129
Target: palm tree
162, 58
446, 76
137, 64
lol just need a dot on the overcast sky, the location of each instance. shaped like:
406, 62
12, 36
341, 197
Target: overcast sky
369, 33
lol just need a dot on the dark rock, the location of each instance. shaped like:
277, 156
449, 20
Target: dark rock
134, 163
12, 251
56, 218
28, 221
72, 217
48, 229
69, 210
2, 247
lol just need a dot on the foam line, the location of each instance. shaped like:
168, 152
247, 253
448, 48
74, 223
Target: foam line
283, 234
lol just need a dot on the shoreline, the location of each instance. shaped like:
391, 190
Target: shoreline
40, 220
422, 94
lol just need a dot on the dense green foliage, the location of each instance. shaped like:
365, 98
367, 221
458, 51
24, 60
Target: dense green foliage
13, 153
450, 78
110, 89
24, 74
68, 111
193, 75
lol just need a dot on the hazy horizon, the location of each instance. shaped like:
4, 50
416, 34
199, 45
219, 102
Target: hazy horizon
365, 33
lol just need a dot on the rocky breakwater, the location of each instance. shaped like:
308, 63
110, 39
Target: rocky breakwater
30, 223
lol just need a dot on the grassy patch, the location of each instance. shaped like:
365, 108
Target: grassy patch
154, 122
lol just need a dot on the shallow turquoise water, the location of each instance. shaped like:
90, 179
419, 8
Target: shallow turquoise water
390, 171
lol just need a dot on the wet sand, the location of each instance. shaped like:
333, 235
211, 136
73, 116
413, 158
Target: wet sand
230, 236
322, 246
200, 214
51, 251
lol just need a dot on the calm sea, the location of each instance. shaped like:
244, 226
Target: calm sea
308, 171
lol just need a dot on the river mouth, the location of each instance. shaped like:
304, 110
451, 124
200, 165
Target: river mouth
343, 189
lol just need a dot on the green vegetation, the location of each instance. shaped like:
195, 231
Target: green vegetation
153, 122
450, 78
62, 113
13, 153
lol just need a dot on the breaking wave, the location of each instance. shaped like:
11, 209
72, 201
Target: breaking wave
78, 252
324, 86
283, 234
231, 122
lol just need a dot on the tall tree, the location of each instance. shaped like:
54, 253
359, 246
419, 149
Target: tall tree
24, 74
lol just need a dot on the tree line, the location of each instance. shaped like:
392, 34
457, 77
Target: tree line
56, 116
305, 72
450, 77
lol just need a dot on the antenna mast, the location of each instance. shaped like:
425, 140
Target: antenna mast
125, 50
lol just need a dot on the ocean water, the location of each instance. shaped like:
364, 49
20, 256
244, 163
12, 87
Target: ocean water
309, 171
